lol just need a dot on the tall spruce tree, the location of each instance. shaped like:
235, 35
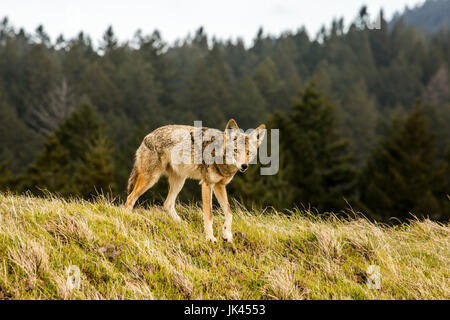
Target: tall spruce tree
76, 159
315, 165
403, 176
50, 171
94, 173
208, 90
319, 167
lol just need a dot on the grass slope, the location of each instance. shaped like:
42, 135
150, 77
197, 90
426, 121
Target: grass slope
144, 255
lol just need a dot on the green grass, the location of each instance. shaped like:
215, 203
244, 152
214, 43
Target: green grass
143, 254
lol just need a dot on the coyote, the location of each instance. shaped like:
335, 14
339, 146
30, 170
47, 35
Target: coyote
160, 153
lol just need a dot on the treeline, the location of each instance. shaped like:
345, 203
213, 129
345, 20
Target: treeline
430, 16
369, 128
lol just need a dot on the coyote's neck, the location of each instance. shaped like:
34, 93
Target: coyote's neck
226, 170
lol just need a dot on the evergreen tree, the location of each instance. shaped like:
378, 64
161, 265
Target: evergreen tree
42, 36
110, 41
80, 128
76, 159
269, 84
319, 167
41, 75
207, 93
95, 173
249, 107
100, 88
357, 119
78, 55
19, 144
402, 175
6, 177
315, 165
51, 170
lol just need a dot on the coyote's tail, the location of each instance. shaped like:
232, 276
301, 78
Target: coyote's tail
132, 179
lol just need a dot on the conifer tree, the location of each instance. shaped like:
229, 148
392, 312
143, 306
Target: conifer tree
50, 171
6, 177
402, 175
110, 41
76, 159
249, 105
320, 165
207, 93
315, 165
78, 130
357, 119
269, 83
94, 174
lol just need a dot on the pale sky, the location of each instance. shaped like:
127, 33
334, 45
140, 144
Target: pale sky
176, 18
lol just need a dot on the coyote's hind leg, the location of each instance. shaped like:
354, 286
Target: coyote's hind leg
176, 183
143, 183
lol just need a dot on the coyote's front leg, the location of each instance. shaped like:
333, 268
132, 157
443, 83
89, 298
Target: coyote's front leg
221, 195
207, 211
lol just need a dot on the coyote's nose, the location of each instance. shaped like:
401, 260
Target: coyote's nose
244, 166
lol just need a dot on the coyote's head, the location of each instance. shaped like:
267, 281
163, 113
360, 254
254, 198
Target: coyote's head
240, 148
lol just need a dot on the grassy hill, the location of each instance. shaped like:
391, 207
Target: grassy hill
144, 255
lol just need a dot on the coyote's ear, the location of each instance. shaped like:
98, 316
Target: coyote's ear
258, 134
231, 124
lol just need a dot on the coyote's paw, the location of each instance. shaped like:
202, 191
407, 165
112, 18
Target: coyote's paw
174, 215
227, 235
211, 238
